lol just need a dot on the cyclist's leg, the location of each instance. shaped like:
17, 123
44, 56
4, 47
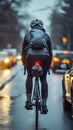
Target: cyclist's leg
28, 86
43, 80
44, 91
44, 87
28, 92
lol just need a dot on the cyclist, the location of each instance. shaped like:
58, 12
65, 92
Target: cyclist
36, 25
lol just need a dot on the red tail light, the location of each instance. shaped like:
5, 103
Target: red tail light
37, 63
56, 59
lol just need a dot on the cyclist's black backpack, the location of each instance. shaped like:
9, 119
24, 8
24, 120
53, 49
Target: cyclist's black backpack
38, 41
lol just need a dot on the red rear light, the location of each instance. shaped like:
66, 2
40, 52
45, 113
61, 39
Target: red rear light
37, 63
56, 59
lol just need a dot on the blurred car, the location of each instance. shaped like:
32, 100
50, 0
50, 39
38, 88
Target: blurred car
12, 52
61, 58
67, 89
5, 61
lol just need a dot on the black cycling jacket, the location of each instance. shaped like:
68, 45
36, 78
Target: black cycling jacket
26, 42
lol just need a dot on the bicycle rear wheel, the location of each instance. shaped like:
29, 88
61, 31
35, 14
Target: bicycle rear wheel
36, 103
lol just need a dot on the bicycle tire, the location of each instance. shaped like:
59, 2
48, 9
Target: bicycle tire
36, 97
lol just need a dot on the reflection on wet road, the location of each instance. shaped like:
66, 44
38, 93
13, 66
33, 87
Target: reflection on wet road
5, 117
4, 74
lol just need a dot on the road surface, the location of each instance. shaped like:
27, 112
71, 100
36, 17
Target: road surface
13, 115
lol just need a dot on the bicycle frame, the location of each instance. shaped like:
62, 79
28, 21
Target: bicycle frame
36, 88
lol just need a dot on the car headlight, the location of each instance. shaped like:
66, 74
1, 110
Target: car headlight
19, 57
6, 60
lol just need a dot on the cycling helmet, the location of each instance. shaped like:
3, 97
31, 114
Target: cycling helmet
36, 22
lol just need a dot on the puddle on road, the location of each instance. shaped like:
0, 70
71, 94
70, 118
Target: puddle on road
7, 110
5, 118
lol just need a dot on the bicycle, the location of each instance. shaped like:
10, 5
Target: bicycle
36, 99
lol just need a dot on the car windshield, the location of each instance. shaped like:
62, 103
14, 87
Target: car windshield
2, 55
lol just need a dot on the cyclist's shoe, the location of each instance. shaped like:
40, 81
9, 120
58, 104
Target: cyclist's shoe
28, 105
44, 109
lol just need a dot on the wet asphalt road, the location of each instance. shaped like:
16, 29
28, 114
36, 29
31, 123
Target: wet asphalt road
13, 115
